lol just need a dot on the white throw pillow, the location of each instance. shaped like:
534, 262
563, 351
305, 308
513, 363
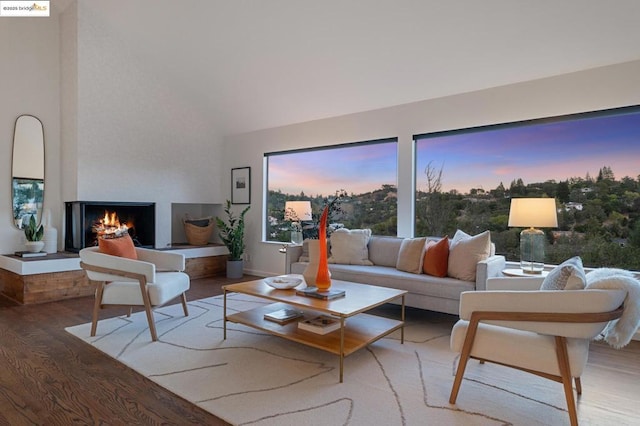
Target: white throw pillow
349, 247
569, 275
465, 252
411, 255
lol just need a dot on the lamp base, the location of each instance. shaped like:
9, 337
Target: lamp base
296, 237
531, 268
532, 242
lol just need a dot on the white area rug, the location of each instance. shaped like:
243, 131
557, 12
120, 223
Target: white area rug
256, 379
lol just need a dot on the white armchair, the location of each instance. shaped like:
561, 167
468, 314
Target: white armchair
152, 280
546, 333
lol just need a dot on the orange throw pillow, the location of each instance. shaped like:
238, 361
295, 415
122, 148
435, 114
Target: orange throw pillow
122, 247
436, 258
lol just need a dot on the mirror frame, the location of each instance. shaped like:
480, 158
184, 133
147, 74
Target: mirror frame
28, 151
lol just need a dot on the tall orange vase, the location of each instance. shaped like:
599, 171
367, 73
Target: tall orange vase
323, 278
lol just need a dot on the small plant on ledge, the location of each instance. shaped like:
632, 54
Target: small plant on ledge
32, 231
231, 232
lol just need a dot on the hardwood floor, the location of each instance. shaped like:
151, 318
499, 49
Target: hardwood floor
48, 376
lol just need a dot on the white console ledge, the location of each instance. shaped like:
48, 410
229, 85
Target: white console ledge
40, 265
63, 261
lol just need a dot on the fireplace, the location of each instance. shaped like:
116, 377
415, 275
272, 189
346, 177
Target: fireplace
82, 217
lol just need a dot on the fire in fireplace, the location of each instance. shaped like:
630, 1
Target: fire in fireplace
85, 221
109, 226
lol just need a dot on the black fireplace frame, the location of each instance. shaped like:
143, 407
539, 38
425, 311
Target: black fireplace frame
78, 231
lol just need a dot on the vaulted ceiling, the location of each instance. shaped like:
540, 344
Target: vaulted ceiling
264, 63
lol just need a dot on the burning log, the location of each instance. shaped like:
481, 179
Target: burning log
109, 226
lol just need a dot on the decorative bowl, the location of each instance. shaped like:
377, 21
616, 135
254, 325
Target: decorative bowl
284, 282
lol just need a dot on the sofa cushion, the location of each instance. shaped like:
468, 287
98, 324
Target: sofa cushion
383, 276
465, 252
350, 247
411, 255
436, 258
304, 256
569, 275
383, 251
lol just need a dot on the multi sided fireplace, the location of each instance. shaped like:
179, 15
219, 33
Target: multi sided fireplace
84, 220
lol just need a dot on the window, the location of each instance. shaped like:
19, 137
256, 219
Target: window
587, 162
365, 172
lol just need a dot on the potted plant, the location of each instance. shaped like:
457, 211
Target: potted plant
231, 233
33, 233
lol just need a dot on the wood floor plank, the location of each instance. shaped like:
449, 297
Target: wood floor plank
51, 377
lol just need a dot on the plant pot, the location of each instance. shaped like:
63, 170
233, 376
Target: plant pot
234, 268
34, 246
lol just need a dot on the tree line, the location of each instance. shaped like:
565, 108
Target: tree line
598, 217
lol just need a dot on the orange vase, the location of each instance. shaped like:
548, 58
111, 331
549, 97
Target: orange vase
323, 278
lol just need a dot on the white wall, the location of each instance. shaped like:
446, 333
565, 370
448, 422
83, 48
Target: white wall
113, 130
29, 84
600, 88
136, 138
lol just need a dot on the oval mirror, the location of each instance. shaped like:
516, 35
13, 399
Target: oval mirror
27, 170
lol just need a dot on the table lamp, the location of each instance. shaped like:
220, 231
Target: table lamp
529, 213
296, 212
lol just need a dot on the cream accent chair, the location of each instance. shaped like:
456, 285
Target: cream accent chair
152, 280
546, 333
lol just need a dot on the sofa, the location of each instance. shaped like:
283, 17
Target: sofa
381, 268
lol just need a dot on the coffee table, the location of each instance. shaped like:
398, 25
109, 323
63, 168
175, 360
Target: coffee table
359, 331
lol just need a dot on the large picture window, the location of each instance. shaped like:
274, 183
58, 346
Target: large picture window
590, 163
363, 174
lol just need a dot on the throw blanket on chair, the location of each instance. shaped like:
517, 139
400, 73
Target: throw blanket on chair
618, 333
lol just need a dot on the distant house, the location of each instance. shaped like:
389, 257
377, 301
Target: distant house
566, 234
622, 242
573, 206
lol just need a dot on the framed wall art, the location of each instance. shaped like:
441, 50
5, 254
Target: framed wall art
241, 185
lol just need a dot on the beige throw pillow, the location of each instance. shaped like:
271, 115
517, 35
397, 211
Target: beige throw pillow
569, 275
465, 252
411, 255
349, 247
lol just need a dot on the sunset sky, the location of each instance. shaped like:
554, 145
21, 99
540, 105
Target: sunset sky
537, 153
478, 159
322, 172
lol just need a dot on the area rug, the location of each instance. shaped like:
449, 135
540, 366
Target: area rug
252, 378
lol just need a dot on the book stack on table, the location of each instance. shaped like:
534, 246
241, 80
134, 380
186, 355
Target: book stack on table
26, 254
283, 316
326, 295
321, 324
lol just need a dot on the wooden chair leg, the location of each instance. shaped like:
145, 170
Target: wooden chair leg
184, 304
96, 307
464, 358
578, 386
152, 324
147, 308
567, 381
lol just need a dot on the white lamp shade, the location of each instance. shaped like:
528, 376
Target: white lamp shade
297, 211
533, 212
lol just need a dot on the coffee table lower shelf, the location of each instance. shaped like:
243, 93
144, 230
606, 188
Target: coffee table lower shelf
359, 330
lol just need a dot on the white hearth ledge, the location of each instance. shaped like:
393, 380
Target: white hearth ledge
45, 266
40, 266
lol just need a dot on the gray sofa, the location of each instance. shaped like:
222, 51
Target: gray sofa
424, 291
